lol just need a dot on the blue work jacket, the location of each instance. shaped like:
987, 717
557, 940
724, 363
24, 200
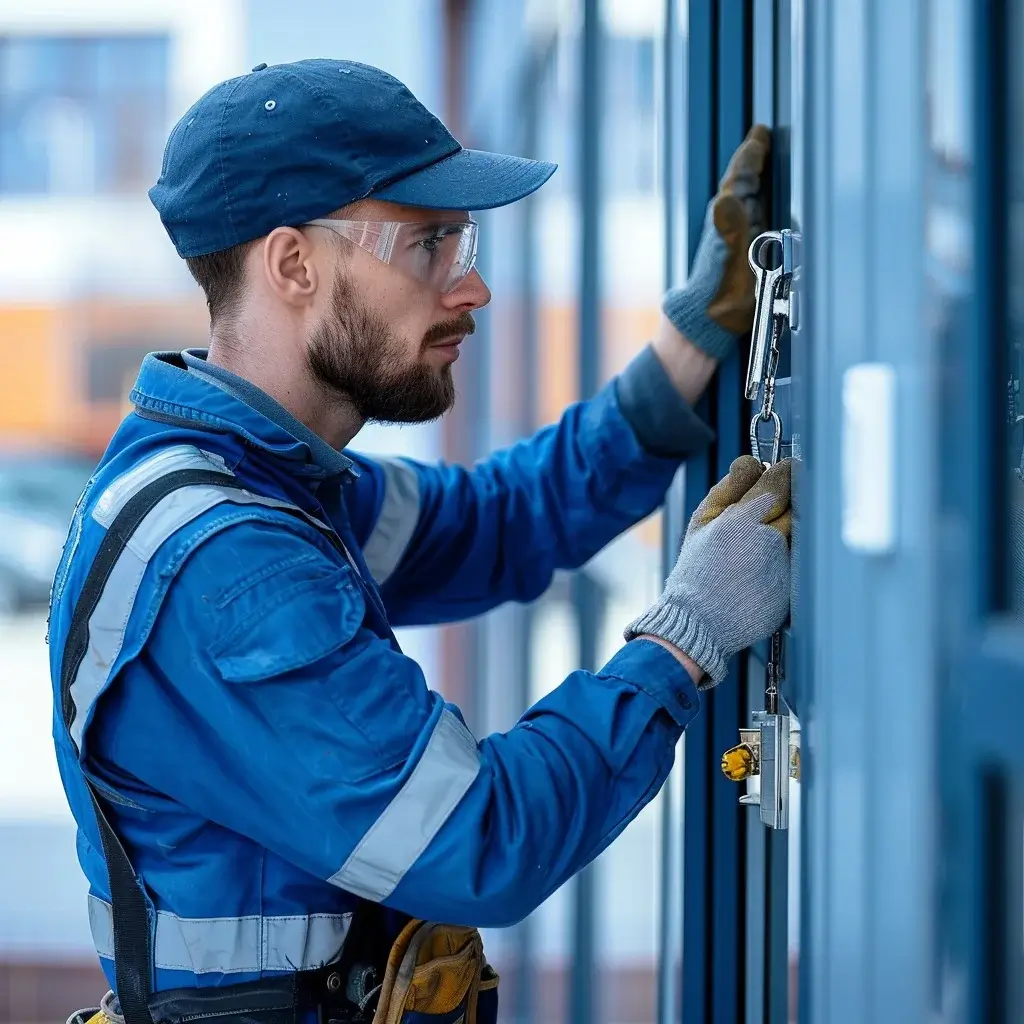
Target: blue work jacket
265, 747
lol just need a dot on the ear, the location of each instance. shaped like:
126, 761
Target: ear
289, 267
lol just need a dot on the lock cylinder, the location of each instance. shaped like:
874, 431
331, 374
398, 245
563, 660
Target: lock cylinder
766, 759
744, 760
739, 762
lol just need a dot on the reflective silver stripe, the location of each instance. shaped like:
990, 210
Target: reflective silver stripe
109, 620
167, 460
395, 840
399, 514
232, 945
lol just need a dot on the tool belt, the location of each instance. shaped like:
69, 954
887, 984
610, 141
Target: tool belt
433, 974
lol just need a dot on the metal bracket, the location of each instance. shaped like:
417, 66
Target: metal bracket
766, 758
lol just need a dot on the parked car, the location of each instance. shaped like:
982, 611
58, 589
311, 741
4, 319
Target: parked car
38, 492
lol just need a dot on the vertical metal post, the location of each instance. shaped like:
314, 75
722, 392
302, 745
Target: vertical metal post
523, 1002
586, 599
697, 843
872, 818
670, 870
718, 112
727, 706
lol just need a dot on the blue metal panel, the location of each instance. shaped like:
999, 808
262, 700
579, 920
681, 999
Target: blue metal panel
767, 869
728, 708
756, 954
902, 676
871, 816
728, 712
776, 912
834, 959
985, 695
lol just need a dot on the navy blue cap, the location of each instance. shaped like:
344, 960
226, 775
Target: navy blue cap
289, 143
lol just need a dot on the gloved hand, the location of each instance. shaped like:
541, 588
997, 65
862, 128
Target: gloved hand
716, 304
730, 585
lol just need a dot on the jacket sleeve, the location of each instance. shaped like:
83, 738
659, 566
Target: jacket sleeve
446, 542
285, 720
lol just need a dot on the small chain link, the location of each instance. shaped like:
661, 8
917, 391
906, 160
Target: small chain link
767, 413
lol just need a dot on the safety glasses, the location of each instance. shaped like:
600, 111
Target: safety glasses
440, 255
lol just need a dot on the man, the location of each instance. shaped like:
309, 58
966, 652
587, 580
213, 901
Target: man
267, 791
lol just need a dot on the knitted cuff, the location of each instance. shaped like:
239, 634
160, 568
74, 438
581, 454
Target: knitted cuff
679, 626
660, 417
688, 312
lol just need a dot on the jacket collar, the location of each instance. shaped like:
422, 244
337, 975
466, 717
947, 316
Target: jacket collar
188, 389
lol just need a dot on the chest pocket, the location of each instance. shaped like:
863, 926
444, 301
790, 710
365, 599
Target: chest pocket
301, 616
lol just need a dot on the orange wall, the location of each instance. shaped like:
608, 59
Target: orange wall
43, 359
43, 350
625, 332
27, 369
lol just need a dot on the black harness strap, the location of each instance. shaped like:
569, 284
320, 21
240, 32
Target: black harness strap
133, 942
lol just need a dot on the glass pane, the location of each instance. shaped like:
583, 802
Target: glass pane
629, 570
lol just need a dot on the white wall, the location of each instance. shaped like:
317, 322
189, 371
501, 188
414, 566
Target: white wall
57, 248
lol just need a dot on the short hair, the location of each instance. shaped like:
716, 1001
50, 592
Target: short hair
221, 275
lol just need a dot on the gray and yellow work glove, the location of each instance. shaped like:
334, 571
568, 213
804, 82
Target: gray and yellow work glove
730, 584
716, 304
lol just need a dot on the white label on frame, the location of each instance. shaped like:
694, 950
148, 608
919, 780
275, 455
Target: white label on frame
869, 458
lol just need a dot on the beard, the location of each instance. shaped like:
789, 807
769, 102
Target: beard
356, 355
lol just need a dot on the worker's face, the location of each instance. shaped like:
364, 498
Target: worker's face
385, 340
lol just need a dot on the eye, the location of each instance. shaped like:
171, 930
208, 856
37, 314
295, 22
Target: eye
432, 242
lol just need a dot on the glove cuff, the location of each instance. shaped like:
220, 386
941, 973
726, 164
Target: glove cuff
688, 312
679, 626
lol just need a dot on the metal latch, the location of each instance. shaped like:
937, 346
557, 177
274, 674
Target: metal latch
766, 758
764, 755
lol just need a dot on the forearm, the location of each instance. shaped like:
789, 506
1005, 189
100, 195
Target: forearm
694, 670
689, 368
554, 791
650, 394
499, 531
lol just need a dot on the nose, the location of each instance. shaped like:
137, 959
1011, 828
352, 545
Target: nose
469, 294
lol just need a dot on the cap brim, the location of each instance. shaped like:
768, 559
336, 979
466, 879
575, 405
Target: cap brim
469, 180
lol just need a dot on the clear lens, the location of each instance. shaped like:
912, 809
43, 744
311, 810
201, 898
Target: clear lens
439, 255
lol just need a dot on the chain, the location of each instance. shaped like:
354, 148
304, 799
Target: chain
768, 414
775, 675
